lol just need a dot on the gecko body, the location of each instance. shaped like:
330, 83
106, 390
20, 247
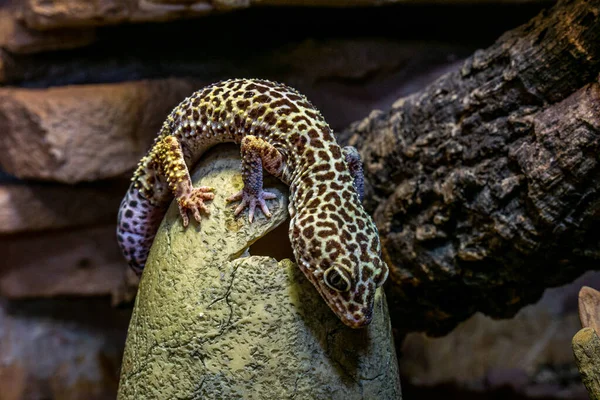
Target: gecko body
335, 242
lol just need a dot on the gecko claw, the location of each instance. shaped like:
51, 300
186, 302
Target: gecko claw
251, 201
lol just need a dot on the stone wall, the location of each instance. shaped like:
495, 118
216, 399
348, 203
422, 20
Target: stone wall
84, 89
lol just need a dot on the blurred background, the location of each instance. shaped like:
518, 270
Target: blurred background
84, 88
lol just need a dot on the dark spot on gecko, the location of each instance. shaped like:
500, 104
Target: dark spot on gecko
361, 225
333, 244
313, 134
299, 118
347, 195
302, 127
339, 166
243, 104
253, 113
311, 114
249, 94
284, 126
334, 149
301, 144
310, 157
321, 167
359, 293
374, 245
336, 186
322, 189
270, 118
352, 308
315, 252
364, 276
337, 219
301, 242
324, 233
285, 102
129, 213
284, 111
263, 98
345, 216
326, 177
125, 225
309, 232
324, 156
261, 89
196, 115
329, 207
335, 197
345, 178
314, 203
326, 224
261, 110
295, 231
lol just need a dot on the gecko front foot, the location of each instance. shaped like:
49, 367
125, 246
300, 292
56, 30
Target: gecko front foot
251, 200
194, 203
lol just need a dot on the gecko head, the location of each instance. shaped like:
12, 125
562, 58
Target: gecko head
343, 261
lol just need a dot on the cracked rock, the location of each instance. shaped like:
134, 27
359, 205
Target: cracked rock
207, 324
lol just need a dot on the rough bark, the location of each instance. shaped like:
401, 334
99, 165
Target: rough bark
485, 184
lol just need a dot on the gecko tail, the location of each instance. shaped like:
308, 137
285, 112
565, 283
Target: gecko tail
137, 224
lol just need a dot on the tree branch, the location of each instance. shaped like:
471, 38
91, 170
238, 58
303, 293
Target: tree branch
485, 185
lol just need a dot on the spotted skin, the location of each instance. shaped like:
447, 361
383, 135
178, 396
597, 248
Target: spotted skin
335, 242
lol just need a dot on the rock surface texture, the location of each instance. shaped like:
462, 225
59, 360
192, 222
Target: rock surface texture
485, 186
84, 133
528, 356
57, 349
586, 342
207, 324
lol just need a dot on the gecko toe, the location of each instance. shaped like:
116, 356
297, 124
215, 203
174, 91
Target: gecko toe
251, 201
235, 197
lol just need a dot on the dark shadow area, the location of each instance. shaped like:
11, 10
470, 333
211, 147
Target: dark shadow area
274, 244
239, 43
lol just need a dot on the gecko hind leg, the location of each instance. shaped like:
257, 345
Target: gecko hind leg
189, 198
256, 155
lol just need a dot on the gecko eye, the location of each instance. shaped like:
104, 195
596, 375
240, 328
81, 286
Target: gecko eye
337, 278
